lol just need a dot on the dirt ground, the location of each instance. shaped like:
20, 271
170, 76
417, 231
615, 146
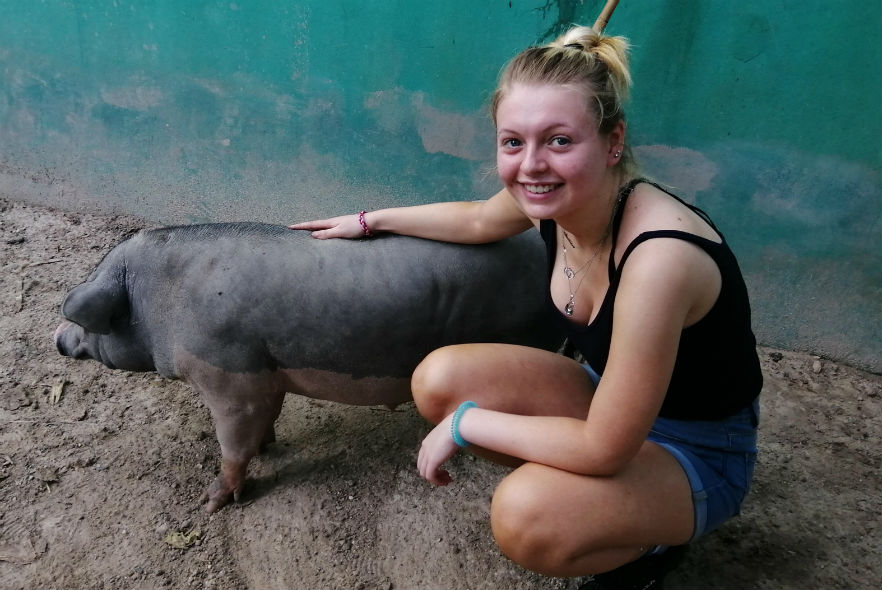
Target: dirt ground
101, 470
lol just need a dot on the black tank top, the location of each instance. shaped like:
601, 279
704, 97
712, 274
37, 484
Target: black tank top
717, 371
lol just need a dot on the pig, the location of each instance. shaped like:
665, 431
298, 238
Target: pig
246, 312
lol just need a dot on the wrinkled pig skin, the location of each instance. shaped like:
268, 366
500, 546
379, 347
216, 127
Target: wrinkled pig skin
246, 312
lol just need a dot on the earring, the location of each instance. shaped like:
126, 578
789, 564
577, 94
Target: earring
618, 154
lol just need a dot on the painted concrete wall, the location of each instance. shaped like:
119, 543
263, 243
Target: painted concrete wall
764, 112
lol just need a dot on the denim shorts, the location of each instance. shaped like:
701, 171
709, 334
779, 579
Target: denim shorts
718, 457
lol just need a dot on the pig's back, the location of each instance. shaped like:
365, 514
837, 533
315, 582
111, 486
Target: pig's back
245, 296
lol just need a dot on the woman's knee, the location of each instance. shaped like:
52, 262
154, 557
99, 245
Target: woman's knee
433, 384
522, 524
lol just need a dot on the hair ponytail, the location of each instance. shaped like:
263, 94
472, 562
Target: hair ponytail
611, 51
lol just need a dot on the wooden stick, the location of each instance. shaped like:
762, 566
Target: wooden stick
607, 11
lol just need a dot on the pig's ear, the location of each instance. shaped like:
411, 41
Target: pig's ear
94, 305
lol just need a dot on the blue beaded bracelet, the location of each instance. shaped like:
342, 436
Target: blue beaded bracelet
454, 424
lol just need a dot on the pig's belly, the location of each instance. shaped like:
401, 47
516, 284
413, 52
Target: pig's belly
345, 389
222, 385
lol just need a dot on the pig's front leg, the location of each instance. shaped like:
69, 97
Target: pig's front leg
243, 426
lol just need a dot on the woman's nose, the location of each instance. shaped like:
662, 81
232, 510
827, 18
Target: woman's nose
534, 160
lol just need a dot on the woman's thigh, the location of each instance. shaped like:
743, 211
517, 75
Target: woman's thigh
564, 523
503, 377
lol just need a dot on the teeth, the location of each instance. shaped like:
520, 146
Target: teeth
539, 188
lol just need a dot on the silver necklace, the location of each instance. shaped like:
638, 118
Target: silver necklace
570, 307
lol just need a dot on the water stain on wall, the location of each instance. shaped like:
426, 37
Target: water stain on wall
755, 34
568, 14
461, 135
684, 170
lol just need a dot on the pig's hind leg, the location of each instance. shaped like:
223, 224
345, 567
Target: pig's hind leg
269, 435
243, 427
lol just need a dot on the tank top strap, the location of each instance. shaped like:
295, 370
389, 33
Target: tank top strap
703, 243
619, 211
698, 211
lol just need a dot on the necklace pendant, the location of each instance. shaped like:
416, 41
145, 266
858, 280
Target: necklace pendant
570, 306
569, 272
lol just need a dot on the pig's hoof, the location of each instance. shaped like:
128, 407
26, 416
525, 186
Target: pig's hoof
218, 494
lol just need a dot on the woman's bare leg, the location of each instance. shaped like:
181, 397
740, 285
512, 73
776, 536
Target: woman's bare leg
546, 519
503, 377
564, 524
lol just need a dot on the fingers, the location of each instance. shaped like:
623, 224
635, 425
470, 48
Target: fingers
321, 230
437, 449
325, 234
432, 472
312, 225
336, 227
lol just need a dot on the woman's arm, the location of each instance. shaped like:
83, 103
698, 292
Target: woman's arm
662, 283
467, 222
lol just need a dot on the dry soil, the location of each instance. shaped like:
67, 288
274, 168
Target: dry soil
100, 471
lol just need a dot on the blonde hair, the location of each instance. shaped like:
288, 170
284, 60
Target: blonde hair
581, 57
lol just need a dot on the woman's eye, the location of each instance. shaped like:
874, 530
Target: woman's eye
561, 141
511, 143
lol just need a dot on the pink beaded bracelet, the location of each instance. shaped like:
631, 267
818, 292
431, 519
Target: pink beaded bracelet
364, 226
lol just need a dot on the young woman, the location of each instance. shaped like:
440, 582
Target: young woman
650, 443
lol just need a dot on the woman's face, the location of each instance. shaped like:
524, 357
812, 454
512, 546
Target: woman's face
549, 153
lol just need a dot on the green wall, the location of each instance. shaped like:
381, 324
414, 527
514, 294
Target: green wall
766, 113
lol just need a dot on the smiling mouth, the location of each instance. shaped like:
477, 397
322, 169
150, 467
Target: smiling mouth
540, 189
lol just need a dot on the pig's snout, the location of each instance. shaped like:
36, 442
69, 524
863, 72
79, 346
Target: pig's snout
62, 327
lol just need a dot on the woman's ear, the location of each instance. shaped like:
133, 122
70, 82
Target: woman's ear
616, 140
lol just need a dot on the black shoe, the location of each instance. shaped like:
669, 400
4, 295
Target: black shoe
645, 573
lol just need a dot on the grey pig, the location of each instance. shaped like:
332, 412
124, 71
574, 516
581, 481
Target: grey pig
245, 312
